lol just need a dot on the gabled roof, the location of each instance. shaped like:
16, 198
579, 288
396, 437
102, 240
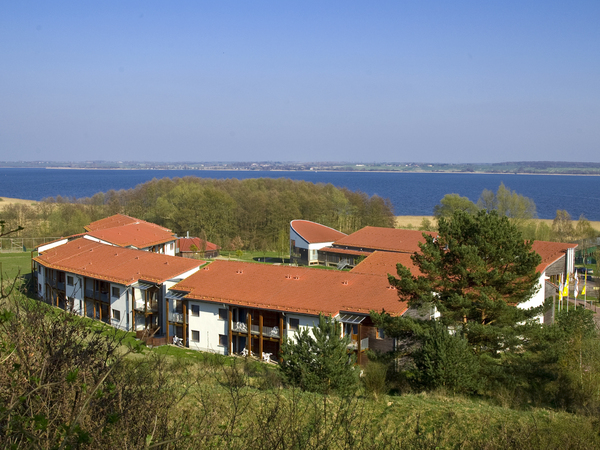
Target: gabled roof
384, 263
389, 239
313, 232
119, 265
116, 221
136, 234
185, 245
293, 289
550, 252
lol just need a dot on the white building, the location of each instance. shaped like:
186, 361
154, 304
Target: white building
122, 287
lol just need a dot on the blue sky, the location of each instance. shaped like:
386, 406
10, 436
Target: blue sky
420, 81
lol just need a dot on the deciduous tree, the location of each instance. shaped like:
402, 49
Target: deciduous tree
454, 202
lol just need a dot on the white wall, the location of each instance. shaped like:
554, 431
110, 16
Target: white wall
305, 321
46, 247
209, 326
121, 304
300, 242
100, 241
170, 248
538, 299
75, 292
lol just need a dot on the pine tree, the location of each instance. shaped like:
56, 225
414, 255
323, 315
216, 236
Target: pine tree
475, 272
318, 360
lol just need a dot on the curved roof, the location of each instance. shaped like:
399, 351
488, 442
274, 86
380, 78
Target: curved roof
313, 232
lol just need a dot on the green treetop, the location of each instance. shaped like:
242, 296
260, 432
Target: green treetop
475, 272
318, 360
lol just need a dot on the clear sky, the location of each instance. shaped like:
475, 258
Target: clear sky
362, 81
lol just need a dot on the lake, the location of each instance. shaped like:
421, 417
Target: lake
411, 193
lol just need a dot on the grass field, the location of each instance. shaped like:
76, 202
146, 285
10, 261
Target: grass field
13, 264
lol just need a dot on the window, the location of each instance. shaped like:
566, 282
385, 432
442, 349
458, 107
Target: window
379, 334
116, 292
223, 340
223, 314
195, 336
196, 310
171, 246
350, 329
40, 288
116, 314
39, 268
294, 324
70, 281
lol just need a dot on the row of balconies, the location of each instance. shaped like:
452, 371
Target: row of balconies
242, 327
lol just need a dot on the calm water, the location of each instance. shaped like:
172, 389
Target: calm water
410, 193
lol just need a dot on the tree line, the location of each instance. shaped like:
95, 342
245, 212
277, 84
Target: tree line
255, 211
521, 211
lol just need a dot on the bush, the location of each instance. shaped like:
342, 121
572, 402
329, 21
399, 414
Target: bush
446, 361
318, 361
374, 379
63, 384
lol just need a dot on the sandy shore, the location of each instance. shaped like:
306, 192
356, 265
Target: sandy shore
5, 201
415, 222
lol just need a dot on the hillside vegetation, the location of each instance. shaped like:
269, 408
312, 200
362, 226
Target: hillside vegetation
74, 385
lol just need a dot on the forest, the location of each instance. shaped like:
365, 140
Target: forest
258, 211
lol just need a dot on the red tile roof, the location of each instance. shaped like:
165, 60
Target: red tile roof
136, 234
116, 221
313, 232
550, 252
185, 245
390, 239
119, 265
384, 263
293, 289
343, 251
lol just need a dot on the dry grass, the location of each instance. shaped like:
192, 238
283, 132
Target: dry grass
5, 201
415, 222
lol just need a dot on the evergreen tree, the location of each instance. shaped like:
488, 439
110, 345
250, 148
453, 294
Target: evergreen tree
475, 272
318, 360
446, 361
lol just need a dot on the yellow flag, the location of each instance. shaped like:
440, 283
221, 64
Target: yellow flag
584, 286
566, 288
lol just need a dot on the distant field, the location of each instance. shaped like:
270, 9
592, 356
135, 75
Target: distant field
5, 201
415, 221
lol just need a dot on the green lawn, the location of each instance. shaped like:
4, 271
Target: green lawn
13, 264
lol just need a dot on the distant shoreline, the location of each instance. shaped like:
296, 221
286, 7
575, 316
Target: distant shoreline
316, 171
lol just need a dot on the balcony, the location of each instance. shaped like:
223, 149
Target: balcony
102, 296
242, 327
175, 317
239, 327
271, 332
142, 305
